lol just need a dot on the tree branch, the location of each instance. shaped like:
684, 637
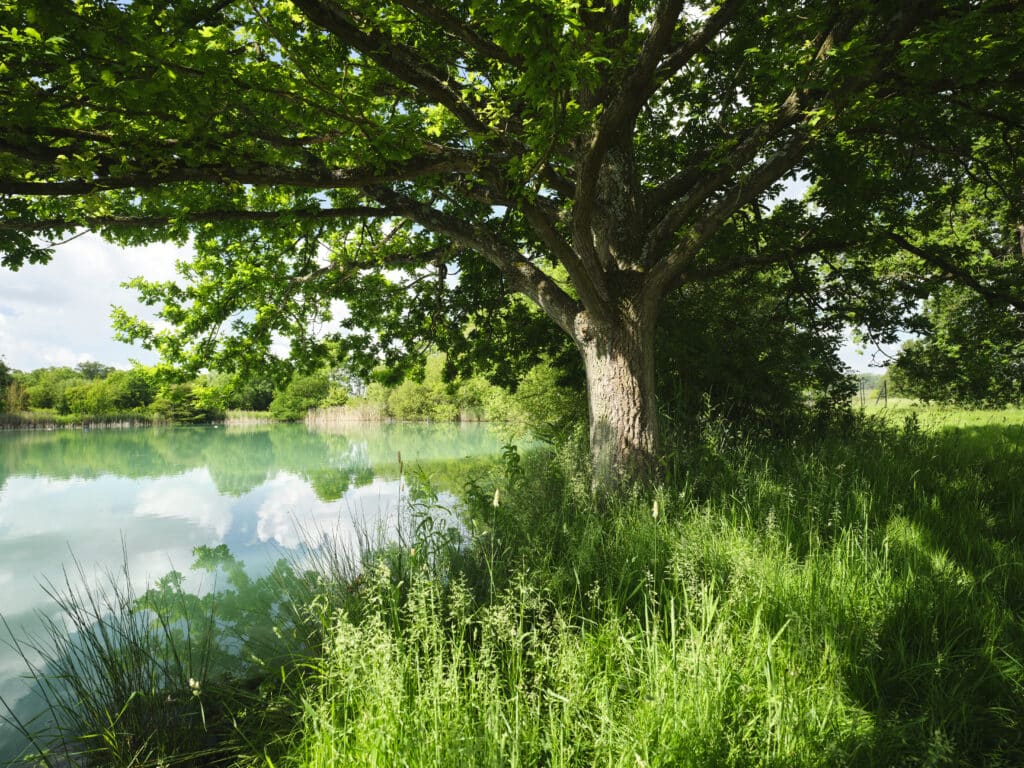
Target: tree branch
685, 51
461, 30
449, 161
704, 185
199, 217
35, 151
397, 59
991, 294
633, 92
525, 277
667, 271
592, 289
698, 185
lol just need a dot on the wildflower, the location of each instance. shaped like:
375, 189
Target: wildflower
194, 685
497, 498
654, 510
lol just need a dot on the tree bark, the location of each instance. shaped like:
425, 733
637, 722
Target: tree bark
618, 355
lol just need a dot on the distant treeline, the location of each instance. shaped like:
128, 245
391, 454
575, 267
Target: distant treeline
94, 393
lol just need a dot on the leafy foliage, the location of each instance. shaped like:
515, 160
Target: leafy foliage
301, 394
754, 348
187, 403
973, 353
358, 177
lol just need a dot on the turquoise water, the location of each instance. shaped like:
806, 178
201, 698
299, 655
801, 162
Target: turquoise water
81, 504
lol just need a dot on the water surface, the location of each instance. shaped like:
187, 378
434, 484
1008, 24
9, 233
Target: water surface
146, 497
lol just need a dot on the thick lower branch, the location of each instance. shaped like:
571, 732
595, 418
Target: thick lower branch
524, 276
199, 217
451, 161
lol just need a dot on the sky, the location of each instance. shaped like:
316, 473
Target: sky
59, 313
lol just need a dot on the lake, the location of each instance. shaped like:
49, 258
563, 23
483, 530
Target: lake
145, 497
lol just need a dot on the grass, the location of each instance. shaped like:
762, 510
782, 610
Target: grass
853, 600
847, 599
937, 417
50, 419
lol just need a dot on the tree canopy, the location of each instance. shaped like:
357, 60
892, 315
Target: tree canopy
428, 161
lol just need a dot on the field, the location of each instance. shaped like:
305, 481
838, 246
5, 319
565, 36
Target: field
853, 598
939, 417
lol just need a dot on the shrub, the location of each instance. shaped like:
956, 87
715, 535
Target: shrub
186, 404
302, 393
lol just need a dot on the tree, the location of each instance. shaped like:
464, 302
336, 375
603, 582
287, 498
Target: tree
46, 387
187, 403
91, 371
6, 380
972, 323
134, 388
760, 347
973, 354
591, 157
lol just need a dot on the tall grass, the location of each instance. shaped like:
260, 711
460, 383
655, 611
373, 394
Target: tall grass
847, 599
852, 600
166, 677
118, 689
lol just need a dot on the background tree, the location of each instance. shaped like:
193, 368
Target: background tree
591, 157
188, 403
972, 323
755, 347
46, 387
91, 370
972, 353
6, 379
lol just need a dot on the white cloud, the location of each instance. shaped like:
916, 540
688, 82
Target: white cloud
291, 513
59, 313
191, 497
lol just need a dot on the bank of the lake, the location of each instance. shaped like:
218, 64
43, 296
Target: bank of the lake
147, 497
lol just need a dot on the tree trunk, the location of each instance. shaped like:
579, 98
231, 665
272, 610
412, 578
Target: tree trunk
619, 359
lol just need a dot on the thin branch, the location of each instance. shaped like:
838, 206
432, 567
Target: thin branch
35, 151
991, 294
460, 29
703, 185
400, 61
693, 187
667, 271
685, 51
806, 246
199, 217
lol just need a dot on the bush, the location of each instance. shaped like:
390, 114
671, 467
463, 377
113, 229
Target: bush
415, 401
301, 394
186, 404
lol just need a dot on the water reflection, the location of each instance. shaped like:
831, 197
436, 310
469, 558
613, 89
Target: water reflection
147, 497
